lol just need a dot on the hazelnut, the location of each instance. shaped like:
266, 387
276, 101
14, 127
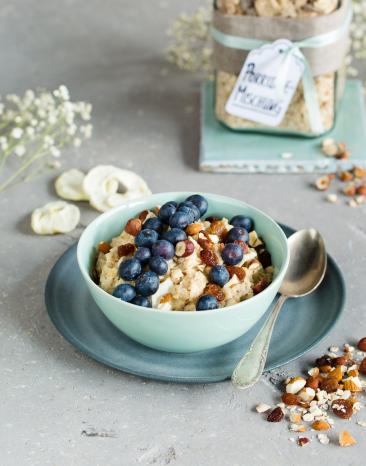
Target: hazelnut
295, 385
143, 215
313, 382
194, 228
104, 247
323, 183
306, 394
349, 190
133, 226
359, 172
184, 248
340, 360
361, 190
345, 176
361, 345
290, 399
362, 368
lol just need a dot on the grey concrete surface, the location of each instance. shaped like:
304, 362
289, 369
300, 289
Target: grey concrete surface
146, 117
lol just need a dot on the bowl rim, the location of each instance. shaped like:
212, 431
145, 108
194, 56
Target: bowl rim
135, 308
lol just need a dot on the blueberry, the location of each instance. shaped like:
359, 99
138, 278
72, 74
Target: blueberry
125, 292
153, 224
174, 235
158, 265
163, 248
180, 219
188, 211
200, 202
146, 238
237, 233
142, 301
206, 303
232, 254
143, 254
167, 210
129, 269
192, 208
219, 275
147, 283
242, 221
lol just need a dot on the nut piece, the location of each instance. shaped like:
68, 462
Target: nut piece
361, 190
295, 418
361, 345
290, 399
359, 172
184, 248
215, 290
341, 360
235, 270
342, 408
323, 361
362, 368
194, 228
133, 226
306, 394
320, 425
345, 176
262, 408
349, 190
313, 382
345, 439
297, 428
353, 384
104, 247
295, 385
276, 415
323, 183
329, 384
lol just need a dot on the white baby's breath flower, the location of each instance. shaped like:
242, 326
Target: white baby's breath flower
3, 143
86, 131
20, 150
16, 133
18, 120
34, 122
71, 130
77, 142
48, 141
30, 131
55, 152
64, 92
1, 108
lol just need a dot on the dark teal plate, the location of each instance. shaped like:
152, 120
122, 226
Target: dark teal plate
302, 324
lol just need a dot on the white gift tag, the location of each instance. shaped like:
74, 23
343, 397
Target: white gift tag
266, 83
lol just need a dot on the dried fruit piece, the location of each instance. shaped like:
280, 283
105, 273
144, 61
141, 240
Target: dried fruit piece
320, 425
313, 382
323, 183
330, 384
361, 190
361, 345
323, 361
194, 228
276, 415
341, 360
125, 249
208, 257
166, 298
297, 427
345, 176
353, 384
69, 185
184, 248
55, 217
303, 441
217, 227
215, 290
325, 369
260, 286
343, 152
235, 270
295, 384
290, 399
133, 226
345, 439
104, 247
336, 373
342, 408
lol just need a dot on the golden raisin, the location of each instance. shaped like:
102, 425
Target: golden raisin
235, 270
208, 257
133, 226
215, 290
104, 247
143, 215
125, 249
330, 384
194, 228
217, 227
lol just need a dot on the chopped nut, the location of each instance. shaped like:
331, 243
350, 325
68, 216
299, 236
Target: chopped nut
353, 384
290, 399
349, 190
276, 415
194, 229
133, 226
325, 369
262, 408
345, 176
323, 439
184, 248
359, 172
361, 190
329, 384
295, 418
332, 198
306, 394
361, 345
323, 361
214, 290
320, 425
362, 367
314, 371
322, 183
313, 382
342, 408
346, 439
341, 360
143, 215
235, 270
295, 385
297, 428
166, 298
208, 257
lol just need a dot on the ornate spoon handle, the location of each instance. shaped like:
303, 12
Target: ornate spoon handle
251, 365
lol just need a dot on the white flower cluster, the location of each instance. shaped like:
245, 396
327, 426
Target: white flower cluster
191, 49
36, 127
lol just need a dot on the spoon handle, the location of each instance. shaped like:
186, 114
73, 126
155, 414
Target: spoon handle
251, 365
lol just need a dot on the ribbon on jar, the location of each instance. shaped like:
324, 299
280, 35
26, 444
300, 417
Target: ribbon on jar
312, 64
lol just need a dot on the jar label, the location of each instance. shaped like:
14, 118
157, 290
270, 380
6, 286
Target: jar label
266, 83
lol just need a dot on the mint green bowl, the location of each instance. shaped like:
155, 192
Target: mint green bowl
182, 332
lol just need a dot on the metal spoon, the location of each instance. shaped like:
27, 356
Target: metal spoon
306, 270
